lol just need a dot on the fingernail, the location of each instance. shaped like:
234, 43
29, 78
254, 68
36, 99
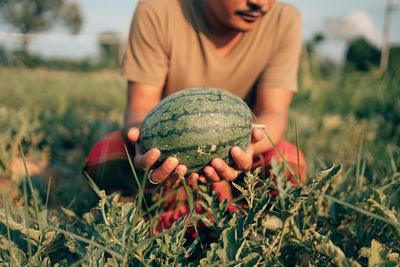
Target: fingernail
182, 169
133, 133
216, 164
154, 154
208, 172
172, 162
235, 151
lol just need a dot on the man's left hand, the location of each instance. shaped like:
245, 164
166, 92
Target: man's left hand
218, 170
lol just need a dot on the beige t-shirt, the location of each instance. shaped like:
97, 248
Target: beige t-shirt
168, 46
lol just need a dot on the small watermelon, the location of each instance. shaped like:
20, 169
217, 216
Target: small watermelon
197, 125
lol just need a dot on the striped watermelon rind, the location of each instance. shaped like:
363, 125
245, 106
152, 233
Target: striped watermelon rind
197, 125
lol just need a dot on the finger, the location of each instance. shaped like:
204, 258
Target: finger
202, 179
175, 179
224, 171
144, 162
192, 180
257, 134
133, 134
161, 173
244, 160
211, 174
181, 170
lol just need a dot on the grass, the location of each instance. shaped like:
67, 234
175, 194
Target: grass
347, 215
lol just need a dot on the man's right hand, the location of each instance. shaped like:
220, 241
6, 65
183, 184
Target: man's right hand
141, 99
170, 170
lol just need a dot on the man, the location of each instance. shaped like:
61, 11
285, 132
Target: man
248, 47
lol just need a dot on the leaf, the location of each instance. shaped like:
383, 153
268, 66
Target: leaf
326, 247
380, 197
211, 256
319, 180
278, 171
379, 255
256, 211
365, 252
240, 226
18, 257
387, 214
284, 214
230, 245
251, 260
240, 188
128, 211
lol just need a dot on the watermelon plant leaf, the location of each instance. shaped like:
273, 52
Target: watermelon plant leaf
230, 245
386, 213
18, 257
380, 197
251, 260
92, 184
211, 256
366, 212
380, 255
325, 246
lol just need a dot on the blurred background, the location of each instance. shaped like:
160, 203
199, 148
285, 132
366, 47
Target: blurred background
61, 90
95, 31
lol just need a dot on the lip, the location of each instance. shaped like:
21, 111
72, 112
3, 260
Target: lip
249, 17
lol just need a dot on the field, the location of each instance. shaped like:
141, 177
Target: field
348, 127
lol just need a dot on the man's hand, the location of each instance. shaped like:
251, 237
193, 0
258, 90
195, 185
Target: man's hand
169, 171
218, 170
141, 99
271, 109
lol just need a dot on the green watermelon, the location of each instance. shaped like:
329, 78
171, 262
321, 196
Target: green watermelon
197, 125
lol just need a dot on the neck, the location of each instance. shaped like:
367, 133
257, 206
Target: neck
223, 37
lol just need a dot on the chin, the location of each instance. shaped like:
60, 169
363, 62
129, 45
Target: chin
244, 26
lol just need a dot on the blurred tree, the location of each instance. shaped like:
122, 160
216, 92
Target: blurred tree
394, 60
361, 55
111, 46
32, 16
315, 40
311, 47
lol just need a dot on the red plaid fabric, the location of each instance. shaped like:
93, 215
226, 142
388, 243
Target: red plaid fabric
108, 165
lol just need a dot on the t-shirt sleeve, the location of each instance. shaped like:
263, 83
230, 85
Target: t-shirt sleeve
146, 54
282, 69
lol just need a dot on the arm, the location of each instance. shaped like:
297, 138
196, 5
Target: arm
141, 99
271, 110
272, 102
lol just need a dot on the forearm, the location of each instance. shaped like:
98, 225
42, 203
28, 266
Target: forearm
271, 110
141, 99
134, 117
275, 126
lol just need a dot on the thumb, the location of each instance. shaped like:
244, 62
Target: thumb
257, 135
133, 134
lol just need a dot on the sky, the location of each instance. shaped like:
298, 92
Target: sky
339, 20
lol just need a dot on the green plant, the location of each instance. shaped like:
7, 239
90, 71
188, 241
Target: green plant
346, 215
